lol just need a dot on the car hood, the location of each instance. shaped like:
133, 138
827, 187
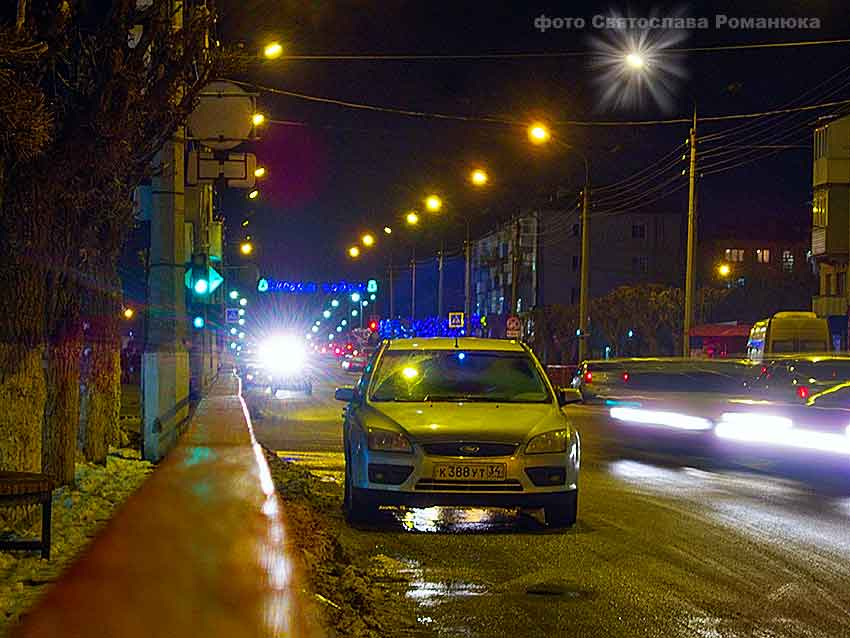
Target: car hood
491, 422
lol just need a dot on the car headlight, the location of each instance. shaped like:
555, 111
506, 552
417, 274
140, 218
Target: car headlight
386, 441
548, 442
250, 377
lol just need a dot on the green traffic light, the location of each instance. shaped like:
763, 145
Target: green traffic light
198, 322
202, 286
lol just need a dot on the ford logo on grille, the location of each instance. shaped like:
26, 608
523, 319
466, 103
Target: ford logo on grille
469, 449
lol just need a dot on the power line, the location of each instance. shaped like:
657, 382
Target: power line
414, 57
511, 122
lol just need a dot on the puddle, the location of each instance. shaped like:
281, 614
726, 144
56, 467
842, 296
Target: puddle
465, 520
428, 593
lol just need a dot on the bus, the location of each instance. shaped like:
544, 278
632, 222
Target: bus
788, 333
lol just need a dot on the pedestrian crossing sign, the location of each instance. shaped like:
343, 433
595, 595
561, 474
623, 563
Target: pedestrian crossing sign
455, 320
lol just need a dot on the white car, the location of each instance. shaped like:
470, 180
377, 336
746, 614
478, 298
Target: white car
463, 421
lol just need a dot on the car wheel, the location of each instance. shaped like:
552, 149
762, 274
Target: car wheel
356, 510
564, 513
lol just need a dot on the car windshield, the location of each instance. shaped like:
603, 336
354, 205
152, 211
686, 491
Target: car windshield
451, 375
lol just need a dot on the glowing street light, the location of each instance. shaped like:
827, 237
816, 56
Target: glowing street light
388, 230
635, 61
433, 203
129, 313
258, 118
479, 177
412, 218
355, 297
254, 194
368, 240
243, 302
538, 133
234, 294
724, 270
354, 252
246, 248
260, 171
335, 303
273, 50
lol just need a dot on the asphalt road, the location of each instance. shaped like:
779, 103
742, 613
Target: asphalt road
673, 539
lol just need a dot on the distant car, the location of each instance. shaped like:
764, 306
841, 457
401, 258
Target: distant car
788, 332
355, 362
459, 422
799, 378
595, 379
282, 364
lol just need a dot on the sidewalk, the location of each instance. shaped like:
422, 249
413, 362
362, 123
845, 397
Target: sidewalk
201, 549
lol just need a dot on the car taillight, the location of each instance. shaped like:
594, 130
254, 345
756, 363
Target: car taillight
803, 391
625, 377
588, 377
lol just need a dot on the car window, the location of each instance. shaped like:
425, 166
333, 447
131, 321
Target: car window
449, 375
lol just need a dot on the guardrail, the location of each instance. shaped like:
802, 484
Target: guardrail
200, 549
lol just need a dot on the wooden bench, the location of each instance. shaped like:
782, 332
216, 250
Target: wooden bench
27, 488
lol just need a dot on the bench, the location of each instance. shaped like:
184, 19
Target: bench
28, 488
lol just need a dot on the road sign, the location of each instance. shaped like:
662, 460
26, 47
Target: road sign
513, 327
231, 315
455, 320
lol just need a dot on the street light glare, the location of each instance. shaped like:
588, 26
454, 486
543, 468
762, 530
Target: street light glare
260, 171
538, 133
354, 252
412, 218
246, 248
388, 230
368, 240
258, 118
273, 50
433, 203
254, 194
635, 61
724, 270
479, 177
128, 313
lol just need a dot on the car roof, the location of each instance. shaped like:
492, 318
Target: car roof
461, 343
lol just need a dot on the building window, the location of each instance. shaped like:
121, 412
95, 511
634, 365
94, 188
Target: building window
763, 256
638, 231
735, 254
640, 264
820, 208
787, 261
575, 262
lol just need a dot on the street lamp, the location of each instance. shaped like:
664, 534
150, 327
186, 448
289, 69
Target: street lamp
724, 270
388, 230
258, 118
433, 203
129, 313
635, 61
246, 248
479, 177
260, 171
411, 218
538, 133
368, 240
273, 50
354, 252
253, 194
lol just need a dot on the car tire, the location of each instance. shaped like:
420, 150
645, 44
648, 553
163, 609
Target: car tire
357, 511
564, 513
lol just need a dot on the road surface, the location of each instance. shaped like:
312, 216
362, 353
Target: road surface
673, 540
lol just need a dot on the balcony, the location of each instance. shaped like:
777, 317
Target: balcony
828, 306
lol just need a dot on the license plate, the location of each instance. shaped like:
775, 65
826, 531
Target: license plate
470, 471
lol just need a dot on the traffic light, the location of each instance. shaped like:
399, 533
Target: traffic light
373, 325
198, 322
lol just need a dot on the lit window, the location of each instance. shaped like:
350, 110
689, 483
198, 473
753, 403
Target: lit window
820, 209
787, 261
735, 254
763, 256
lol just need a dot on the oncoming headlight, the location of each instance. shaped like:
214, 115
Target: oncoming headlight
386, 441
548, 442
283, 355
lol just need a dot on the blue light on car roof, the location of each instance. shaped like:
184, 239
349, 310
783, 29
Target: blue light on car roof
461, 356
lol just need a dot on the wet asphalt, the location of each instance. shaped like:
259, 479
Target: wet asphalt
676, 537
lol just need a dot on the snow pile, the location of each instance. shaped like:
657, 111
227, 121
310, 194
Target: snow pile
78, 513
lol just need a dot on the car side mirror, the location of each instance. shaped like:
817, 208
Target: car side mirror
566, 396
347, 394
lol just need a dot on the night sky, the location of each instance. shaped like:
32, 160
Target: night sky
345, 171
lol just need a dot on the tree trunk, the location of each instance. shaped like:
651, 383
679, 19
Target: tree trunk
62, 408
100, 400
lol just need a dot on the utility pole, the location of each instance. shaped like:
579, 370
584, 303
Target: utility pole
692, 232
392, 296
467, 284
440, 279
584, 283
413, 287
514, 267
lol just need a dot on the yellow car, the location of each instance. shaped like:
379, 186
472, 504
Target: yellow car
465, 421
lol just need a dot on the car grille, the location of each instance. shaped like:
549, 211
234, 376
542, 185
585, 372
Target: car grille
484, 449
433, 485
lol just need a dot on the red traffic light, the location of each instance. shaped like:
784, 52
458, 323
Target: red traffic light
373, 325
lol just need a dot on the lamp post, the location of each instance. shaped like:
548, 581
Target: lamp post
539, 134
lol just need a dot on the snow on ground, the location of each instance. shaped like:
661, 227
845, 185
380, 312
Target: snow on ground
78, 513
